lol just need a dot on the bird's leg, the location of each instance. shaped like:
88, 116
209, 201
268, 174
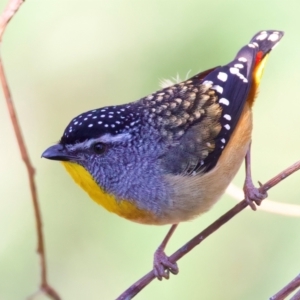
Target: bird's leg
161, 264
252, 194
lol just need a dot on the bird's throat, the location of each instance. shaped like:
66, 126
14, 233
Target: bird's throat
123, 208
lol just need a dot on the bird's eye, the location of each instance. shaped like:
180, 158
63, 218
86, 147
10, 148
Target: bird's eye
99, 148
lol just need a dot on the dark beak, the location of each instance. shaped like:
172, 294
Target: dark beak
57, 152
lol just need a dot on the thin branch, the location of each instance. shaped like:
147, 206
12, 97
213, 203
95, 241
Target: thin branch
288, 289
10, 10
296, 296
144, 281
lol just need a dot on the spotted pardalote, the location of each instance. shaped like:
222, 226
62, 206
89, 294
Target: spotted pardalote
169, 156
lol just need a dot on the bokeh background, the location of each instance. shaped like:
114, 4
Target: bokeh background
65, 57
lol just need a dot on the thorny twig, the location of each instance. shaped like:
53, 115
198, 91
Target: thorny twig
144, 281
10, 10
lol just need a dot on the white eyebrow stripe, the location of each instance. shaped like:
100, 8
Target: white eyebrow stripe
106, 138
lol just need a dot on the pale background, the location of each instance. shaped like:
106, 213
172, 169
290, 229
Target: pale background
65, 57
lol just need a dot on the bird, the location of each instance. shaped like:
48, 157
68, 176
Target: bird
168, 157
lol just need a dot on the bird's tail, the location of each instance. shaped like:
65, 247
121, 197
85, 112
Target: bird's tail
254, 55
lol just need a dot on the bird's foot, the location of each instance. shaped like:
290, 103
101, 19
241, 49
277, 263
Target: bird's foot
162, 266
253, 195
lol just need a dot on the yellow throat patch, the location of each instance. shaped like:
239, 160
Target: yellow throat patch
122, 208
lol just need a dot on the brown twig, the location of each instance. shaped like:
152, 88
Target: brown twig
296, 296
10, 10
144, 281
288, 289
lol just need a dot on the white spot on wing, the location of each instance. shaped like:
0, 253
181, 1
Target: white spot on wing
273, 37
242, 59
208, 82
262, 36
240, 66
227, 126
223, 141
227, 117
224, 101
218, 88
222, 76
234, 70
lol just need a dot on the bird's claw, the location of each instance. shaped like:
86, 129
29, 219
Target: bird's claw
162, 266
253, 195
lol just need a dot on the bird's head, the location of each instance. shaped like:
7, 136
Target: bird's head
114, 144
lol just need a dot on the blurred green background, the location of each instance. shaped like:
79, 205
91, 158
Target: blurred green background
66, 57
